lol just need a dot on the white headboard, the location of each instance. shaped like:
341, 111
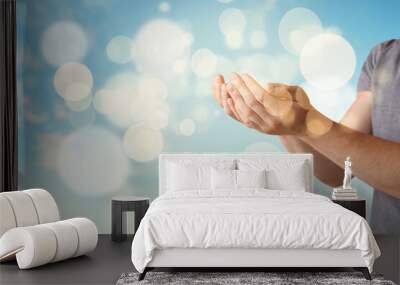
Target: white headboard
166, 157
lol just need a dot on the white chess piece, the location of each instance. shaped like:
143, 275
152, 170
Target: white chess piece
347, 174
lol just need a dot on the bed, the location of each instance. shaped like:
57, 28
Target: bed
246, 211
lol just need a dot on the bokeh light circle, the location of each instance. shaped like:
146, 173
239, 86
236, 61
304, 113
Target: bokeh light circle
317, 125
152, 87
258, 39
91, 161
187, 127
73, 81
143, 143
158, 45
49, 144
234, 39
101, 100
204, 62
77, 91
79, 106
179, 66
159, 119
232, 19
117, 99
164, 7
151, 105
296, 27
122, 109
119, 49
129, 98
64, 42
331, 103
327, 61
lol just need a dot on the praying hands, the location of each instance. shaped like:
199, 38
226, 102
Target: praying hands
276, 109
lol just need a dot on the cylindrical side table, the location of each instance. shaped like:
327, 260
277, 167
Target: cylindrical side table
121, 204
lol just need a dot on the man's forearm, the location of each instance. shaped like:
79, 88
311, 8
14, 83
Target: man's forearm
326, 171
376, 161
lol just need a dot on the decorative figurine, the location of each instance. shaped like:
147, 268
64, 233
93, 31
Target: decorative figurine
347, 174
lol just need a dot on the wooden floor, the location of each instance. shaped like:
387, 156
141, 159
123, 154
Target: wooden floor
102, 266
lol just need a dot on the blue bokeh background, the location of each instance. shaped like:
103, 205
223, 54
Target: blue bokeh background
45, 122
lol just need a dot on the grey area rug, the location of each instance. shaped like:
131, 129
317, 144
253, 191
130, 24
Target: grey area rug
229, 278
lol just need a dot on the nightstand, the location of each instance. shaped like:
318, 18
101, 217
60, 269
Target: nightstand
357, 206
122, 204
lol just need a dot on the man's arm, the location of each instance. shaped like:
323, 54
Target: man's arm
375, 160
358, 117
326, 170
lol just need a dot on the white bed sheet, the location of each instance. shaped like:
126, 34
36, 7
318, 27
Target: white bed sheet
251, 218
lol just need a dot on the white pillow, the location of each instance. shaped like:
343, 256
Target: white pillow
293, 179
223, 179
193, 174
237, 179
184, 177
251, 178
282, 174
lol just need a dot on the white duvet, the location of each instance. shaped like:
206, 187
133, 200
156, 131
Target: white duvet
250, 219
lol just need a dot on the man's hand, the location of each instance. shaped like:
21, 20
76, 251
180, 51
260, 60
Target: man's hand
277, 109
225, 101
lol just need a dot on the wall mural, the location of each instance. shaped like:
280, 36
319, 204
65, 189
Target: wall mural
105, 86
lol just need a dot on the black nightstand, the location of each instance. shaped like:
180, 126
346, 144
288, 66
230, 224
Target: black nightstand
122, 204
357, 206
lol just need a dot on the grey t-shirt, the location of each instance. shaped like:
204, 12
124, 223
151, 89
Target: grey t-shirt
380, 74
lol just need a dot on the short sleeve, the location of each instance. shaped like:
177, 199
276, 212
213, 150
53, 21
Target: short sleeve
364, 82
370, 64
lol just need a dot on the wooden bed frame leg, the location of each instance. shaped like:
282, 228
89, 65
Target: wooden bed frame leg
364, 271
143, 274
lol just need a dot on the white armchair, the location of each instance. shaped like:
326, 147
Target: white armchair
31, 230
